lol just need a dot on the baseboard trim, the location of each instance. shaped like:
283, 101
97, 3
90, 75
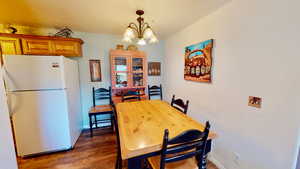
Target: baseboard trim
216, 162
88, 126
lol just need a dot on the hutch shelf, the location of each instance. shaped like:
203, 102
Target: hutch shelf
128, 71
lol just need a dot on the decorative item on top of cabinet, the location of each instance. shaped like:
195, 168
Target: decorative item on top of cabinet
64, 32
128, 70
120, 47
154, 68
132, 48
40, 45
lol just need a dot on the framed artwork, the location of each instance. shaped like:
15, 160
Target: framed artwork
95, 70
254, 101
198, 61
154, 68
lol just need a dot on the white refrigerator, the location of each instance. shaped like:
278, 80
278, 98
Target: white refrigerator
7, 151
44, 102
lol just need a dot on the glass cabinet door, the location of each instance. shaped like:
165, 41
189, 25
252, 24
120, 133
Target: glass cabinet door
121, 72
120, 64
138, 79
137, 64
121, 79
137, 72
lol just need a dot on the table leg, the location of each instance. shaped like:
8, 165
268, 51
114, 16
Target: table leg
135, 163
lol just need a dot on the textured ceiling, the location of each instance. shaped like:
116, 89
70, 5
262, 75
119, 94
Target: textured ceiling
106, 16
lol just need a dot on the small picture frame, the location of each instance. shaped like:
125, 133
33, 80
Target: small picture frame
254, 101
154, 69
95, 70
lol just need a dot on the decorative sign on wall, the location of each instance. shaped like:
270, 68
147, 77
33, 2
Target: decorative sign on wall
254, 101
198, 61
95, 70
154, 68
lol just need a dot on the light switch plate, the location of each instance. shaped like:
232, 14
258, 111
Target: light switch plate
254, 101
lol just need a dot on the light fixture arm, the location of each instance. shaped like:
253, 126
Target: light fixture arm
144, 27
134, 27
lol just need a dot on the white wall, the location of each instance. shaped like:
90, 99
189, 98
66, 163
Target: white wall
97, 46
255, 54
7, 150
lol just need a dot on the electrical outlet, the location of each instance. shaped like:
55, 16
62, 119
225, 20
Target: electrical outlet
236, 158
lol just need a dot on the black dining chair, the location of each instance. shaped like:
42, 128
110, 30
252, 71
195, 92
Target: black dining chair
185, 151
179, 104
97, 110
119, 162
155, 91
131, 96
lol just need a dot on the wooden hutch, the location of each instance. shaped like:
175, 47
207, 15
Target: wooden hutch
128, 72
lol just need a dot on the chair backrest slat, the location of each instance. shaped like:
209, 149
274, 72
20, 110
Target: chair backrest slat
155, 91
183, 156
191, 143
179, 104
183, 147
101, 94
131, 96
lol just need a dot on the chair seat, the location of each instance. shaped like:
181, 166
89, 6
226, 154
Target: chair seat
189, 163
101, 109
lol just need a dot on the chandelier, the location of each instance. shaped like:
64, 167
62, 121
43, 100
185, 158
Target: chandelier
140, 33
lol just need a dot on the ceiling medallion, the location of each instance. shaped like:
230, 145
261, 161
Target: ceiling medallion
140, 33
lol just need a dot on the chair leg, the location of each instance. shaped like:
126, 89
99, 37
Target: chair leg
112, 123
202, 162
118, 164
95, 117
91, 125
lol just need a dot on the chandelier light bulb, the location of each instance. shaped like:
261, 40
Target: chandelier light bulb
141, 42
126, 39
153, 39
129, 33
148, 33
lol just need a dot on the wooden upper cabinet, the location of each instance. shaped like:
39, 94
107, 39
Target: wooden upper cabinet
67, 48
40, 45
10, 46
36, 47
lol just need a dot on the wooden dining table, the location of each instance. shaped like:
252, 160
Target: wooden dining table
141, 127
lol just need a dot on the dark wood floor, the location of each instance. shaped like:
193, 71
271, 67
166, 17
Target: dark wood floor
98, 152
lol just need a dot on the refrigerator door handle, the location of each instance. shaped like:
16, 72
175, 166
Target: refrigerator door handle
10, 109
5, 78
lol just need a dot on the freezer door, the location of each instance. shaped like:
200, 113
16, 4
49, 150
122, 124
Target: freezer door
24, 72
73, 98
40, 121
